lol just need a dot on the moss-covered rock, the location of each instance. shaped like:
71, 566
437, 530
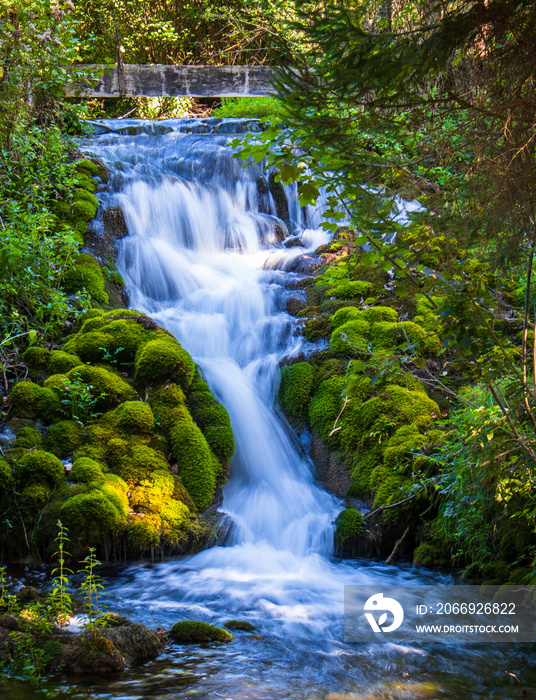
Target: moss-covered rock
325, 407
28, 438
108, 388
241, 625
192, 632
349, 526
63, 438
164, 361
142, 535
86, 470
428, 554
377, 314
7, 479
91, 516
350, 338
296, 384
350, 289
40, 467
345, 314
23, 398
135, 417
402, 445
60, 362
86, 274
194, 459
36, 358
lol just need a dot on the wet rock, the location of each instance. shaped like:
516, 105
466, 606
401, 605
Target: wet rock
280, 198
294, 306
10, 622
292, 242
88, 654
114, 223
329, 468
135, 642
193, 632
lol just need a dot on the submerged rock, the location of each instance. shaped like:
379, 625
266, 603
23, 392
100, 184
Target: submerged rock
241, 625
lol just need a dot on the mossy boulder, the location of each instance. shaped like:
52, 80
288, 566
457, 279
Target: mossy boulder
7, 479
163, 361
295, 390
108, 388
63, 438
240, 625
28, 438
349, 526
377, 314
23, 398
402, 445
135, 642
350, 289
36, 358
192, 632
86, 274
345, 314
86, 470
135, 417
60, 362
142, 536
40, 467
428, 554
324, 408
194, 459
350, 338
91, 516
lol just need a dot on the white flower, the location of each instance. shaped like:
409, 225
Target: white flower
31, 27
70, 5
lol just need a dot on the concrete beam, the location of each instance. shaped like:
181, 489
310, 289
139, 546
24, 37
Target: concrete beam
175, 81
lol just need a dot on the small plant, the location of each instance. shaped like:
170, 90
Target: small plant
78, 402
59, 599
8, 603
107, 356
92, 591
28, 659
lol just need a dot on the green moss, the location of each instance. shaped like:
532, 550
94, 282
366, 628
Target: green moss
142, 535
350, 338
33, 499
63, 438
61, 362
194, 459
428, 554
48, 405
345, 314
296, 384
192, 632
241, 625
40, 467
317, 329
140, 462
85, 206
164, 400
349, 525
387, 335
91, 347
351, 289
164, 361
28, 438
103, 381
89, 167
86, 274
135, 417
57, 382
220, 439
376, 314
402, 445
325, 407
85, 182
36, 358
85, 470
116, 450
415, 406
89, 517
23, 398
6, 477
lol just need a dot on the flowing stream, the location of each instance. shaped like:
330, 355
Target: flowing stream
204, 257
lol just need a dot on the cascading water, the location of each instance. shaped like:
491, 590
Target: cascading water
203, 257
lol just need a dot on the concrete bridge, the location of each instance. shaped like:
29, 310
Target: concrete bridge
174, 81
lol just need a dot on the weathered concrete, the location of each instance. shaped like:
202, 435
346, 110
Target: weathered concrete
175, 81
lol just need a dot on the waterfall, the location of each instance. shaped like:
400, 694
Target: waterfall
203, 258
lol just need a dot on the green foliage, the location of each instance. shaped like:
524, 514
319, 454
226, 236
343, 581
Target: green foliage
92, 589
105, 387
78, 400
295, 390
60, 604
193, 632
250, 107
